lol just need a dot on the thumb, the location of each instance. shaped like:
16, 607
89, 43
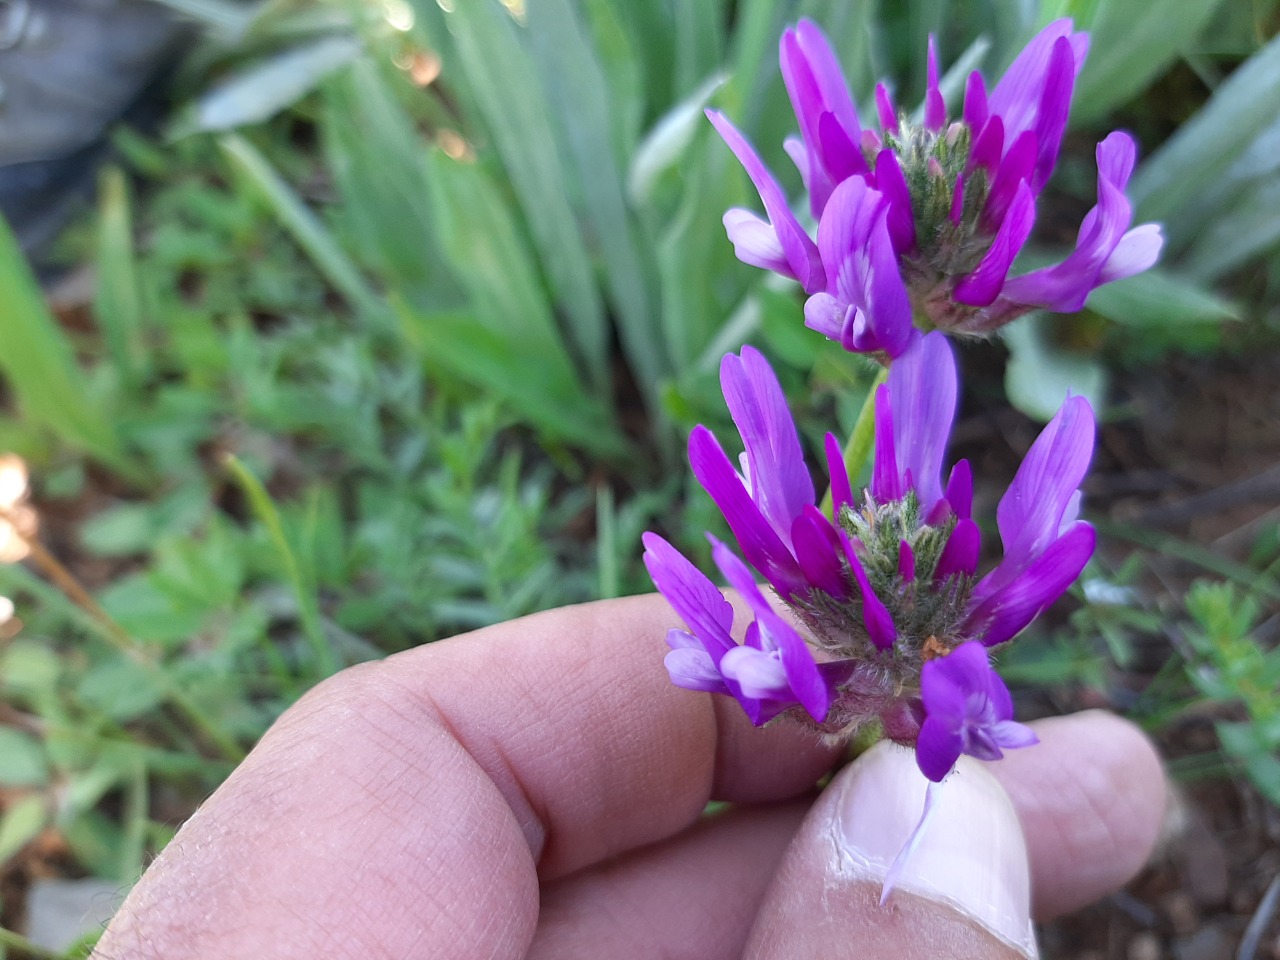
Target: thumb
964, 892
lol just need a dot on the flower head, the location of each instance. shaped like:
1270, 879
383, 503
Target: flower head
950, 201
885, 587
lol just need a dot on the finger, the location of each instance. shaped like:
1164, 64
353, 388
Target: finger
693, 896
965, 891
407, 807
1091, 799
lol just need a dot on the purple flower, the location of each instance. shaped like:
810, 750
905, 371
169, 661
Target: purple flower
1045, 545
886, 584
772, 671
967, 711
950, 203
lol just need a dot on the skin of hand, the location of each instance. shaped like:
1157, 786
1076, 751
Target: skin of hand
536, 789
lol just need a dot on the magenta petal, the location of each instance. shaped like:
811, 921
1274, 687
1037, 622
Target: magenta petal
1002, 615
959, 492
923, 386
1055, 105
862, 269
935, 111
827, 315
937, 749
980, 288
695, 599
875, 615
892, 184
762, 546
1018, 95
779, 482
988, 147
885, 108
961, 553
1016, 167
975, 102
886, 478
755, 242
1031, 512
841, 490
803, 262
1064, 287
906, 562
817, 550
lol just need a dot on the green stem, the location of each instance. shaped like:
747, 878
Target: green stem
861, 439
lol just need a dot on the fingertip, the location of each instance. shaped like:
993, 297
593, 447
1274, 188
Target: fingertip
1091, 797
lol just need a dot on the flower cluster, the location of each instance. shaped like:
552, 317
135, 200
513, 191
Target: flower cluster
923, 221
896, 620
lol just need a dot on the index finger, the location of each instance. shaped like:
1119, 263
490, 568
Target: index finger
408, 807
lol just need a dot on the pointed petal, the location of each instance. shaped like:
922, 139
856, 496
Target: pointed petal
980, 288
906, 562
961, 554
1015, 168
817, 550
988, 147
1055, 105
695, 599
1006, 612
761, 545
841, 490
885, 108
1031, 511
886, 478
959, 491
892, 184
875, 615
780, 482
923, 386
1017, 96
935, 111
801, 252
975, 101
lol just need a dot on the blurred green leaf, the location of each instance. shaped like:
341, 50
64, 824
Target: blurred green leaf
1241, 109
510, 92
118, 306
1158, 298
257, 93
578, 94
1131, 43
22, 760
21, 821
1040, 376
38, 362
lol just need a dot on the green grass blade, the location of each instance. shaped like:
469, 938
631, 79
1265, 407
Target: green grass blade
40, 367
1133, 43
509, 91
579, 95
326, 661
117, 305
1241, 109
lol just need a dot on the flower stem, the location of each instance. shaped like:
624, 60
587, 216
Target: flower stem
858, 447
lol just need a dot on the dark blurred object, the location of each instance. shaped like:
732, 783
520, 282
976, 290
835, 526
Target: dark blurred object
68, 70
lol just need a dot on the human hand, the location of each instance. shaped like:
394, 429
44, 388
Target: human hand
536, 789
